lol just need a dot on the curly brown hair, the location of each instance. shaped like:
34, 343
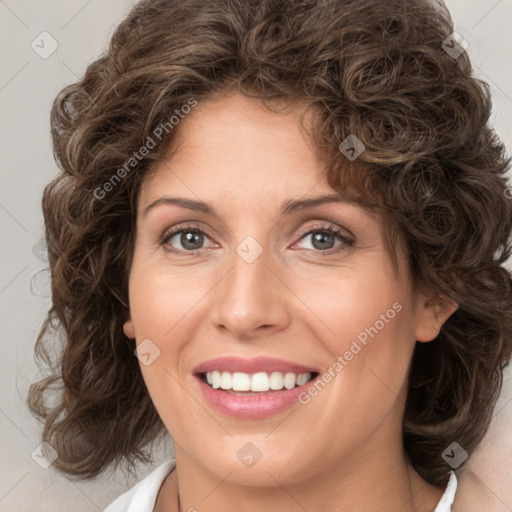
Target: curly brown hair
432, 163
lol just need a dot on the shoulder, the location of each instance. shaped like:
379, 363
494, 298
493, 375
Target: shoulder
142, 496
446, 502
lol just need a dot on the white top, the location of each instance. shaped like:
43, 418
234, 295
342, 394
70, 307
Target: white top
142, 496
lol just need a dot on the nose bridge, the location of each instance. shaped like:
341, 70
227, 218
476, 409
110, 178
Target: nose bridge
251, 295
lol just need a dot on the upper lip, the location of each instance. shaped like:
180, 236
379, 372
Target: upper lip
251, 365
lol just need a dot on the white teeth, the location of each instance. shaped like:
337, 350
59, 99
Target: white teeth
289, 380
259, 382
226, 380
302, 379
256, 382
276, 380
215, 376
241, 381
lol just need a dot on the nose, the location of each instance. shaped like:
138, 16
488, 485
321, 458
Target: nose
252, 300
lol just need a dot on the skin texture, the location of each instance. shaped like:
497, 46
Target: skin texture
343, 450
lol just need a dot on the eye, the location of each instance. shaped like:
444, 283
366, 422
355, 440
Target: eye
323, 239
191, 239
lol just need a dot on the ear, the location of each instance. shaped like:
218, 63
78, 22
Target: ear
433, 313
128, 327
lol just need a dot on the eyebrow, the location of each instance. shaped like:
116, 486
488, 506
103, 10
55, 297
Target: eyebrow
287, 207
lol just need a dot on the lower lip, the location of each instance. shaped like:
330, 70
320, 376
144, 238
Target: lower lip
251, 406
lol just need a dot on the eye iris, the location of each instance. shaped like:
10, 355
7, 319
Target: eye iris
321, 239
189, 238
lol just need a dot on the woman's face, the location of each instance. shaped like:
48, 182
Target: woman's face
251, 290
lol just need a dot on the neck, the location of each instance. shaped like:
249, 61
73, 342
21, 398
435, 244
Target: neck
363, 481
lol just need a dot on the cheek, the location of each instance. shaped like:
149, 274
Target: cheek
164, 309
162, 299
367, 320
352, 303
376, 361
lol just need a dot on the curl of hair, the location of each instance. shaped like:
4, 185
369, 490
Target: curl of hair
432, 164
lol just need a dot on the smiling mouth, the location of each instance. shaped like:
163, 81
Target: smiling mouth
240, 383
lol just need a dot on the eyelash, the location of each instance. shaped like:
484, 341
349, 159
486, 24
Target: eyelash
325, 228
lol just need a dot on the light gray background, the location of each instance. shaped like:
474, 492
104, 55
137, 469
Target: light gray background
28, 84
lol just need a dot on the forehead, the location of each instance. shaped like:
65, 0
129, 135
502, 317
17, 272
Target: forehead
233, 143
